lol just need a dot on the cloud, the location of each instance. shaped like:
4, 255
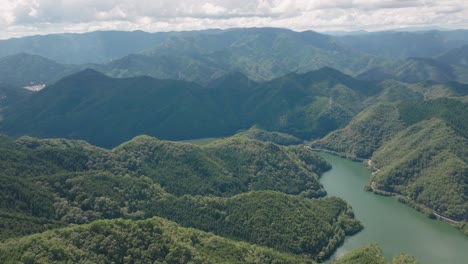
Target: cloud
19, 17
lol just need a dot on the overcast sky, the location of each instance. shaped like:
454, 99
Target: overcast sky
30, 17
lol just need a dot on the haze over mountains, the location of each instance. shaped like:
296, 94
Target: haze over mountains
399, 99
260, 53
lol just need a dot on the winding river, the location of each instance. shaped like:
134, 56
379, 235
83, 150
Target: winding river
394, 226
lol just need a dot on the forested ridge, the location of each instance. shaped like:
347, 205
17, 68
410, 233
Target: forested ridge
420, 148
305, 105
50, 183
115, 190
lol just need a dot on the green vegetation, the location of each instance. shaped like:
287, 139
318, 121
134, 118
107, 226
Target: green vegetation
53, 183
428, 163
420, 149
154, 240
373, 255
23, 69
416, 69
275, 137
368, 131
304, 105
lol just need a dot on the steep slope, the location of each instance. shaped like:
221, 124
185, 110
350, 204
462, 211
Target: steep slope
145, 241
259, 53
225, 167
92, 47
373, 255
457, 56
416, 69
275, 137
419, 147
428, 163
114, 110
10, 95
309, 105
23, 69
368, 131
402, 45
118, 108
53, 183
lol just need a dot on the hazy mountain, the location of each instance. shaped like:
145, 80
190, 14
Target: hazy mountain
416, 69
10, 95
401, 45
114, 110
260, 53
23, 69
457, 56
93, 47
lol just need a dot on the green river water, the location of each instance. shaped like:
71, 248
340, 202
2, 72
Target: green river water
394, 226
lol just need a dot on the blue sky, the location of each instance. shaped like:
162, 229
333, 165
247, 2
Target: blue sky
30, 17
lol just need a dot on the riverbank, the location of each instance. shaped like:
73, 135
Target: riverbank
394, 226
407, 200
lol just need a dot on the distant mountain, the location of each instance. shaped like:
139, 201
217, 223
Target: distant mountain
23, 69
114, 110
93, 47
402, 45
10, 95
416, 69
259, 53
457, 56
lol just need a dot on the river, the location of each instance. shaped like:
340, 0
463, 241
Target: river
394, 226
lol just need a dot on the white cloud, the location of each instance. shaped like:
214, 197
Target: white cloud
22, 17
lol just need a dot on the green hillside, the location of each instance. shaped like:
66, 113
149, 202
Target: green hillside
457, 56
428, 163
275, 137
154, 240
23, 69
419, 147
54, 183
373, 255
376, 125
416, 69
259, 53
306, 105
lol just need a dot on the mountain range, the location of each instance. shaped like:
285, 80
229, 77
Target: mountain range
89, 170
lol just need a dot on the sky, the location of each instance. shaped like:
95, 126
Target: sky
32, 17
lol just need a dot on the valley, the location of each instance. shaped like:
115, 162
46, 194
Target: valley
243, 145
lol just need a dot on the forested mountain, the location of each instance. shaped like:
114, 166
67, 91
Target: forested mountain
416, 69
254, 196
457, 56
92, 47
145, 241
10, 95
71, 182
420, 148
428, 162
259, 53
114, 110
373, 255
23, 69
402, 45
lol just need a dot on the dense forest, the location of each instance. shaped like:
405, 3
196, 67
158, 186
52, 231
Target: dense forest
88, 174
420, 148
55, 183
